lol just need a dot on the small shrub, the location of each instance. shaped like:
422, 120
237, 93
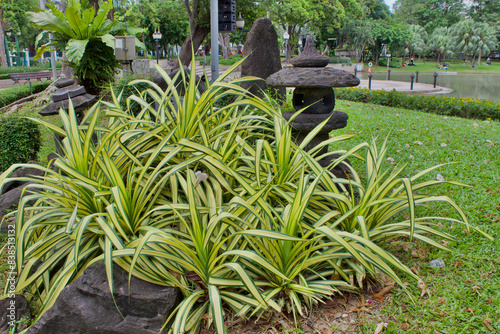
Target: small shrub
37, 68
394, 62
340, 60
19, 141
97, 67
441, 105
15, 93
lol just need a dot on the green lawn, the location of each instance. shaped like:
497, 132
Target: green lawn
454, 66
464, 293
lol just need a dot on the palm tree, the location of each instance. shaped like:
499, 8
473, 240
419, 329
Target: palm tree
463, 33
483, 40
418, 40
441, 42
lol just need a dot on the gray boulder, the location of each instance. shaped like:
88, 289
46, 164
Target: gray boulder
86, 306
18, 173
264, 59
8, 200
14, 308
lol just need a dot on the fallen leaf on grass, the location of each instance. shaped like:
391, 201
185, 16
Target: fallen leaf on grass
486, 276
457, 263
421, 286
407, 246
441, 301
468, 281
380, 296
335, 277
490, 301
414, 254
422, 252
414, 270
444, 242
380, 327
487, 321
442, 314
439, 224
476, 288
405, 326
471, 310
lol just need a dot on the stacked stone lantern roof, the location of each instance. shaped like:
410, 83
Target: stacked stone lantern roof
313, 94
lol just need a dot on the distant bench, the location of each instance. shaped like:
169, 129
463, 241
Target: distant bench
32, 75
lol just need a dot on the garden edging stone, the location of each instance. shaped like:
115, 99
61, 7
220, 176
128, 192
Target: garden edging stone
86, 306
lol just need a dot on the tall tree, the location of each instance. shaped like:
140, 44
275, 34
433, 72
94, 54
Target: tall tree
13, 18
292, 16
462, 33
441, 42
168, 16
418, 40
430, 14
487, 11
198, 12
391, 33
483, 41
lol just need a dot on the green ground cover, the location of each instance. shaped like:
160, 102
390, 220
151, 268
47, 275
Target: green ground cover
464, 294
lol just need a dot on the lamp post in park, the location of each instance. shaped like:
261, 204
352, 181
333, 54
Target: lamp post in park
286, 37
157, 37
388, 55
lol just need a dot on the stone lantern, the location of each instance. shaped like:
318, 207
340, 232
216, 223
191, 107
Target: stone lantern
313, 83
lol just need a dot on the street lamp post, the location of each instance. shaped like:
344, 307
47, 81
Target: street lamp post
157, 37
240, 24
286, 37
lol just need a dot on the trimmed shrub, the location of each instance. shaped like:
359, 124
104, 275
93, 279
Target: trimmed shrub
340, 60
19, 141
15, 93
38, 68
394, 62
441, 105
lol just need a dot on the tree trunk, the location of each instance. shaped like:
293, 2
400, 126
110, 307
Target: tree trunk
437, 59
3, 56
224, 44
479, 58
185, 54
95, 4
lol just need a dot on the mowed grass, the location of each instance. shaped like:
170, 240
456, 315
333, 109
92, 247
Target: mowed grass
453, 66
464, 296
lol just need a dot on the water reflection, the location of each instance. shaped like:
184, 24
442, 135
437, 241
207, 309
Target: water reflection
476, 85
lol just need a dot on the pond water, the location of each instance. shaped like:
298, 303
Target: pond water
476, 85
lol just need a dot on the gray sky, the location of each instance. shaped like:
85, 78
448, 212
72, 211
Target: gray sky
389, 3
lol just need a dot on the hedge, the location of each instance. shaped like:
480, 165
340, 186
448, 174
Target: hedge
19, 141
14, 93
24, 69
441, 105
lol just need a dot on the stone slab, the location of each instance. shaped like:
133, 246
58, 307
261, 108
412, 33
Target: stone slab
67, 92
312, 77
79, 102
307, 122
64, 83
